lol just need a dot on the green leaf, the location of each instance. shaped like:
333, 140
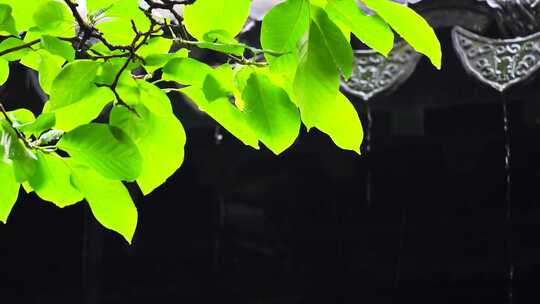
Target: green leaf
4, 71
226, 114
106, 149
372, 30
54, 18
58, 47
335, 42
43, 123
317, 78
23, 12
110, 68
73, 83
186, 71
316, 88
47, 65
10, 191
157, 61
342, 124
210, 15
154, 99
128, 89
83, 111
52, 181
270, 113
109, 201
160, 139
284, 25
116, 23
23, 160
10, 43
411, 26
7, 23
213, 89
156, 45
21, 116
319, 3
135, 91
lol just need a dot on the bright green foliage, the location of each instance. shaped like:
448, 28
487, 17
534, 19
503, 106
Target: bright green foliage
23, 160
104, 63
52, 181
47, 65
284, 25
411, 26
109, 200
64, 92
334, 41
43, 122
58, 47
372, 30
11, 43
4, 71
23, 12
270, 113
157, 138
105, 148
10, 190
206, 16
53, 18
7, 23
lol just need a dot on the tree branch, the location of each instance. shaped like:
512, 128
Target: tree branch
19, 47
19, 134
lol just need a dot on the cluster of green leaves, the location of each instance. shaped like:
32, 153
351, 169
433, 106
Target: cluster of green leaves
96, 53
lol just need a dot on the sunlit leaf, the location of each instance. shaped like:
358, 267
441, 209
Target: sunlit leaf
10, 191
210, 15
226, 114
160, 139
186, 71
4, 71
82, 112
54, 18
10, 43
335, 42
106, 149
52, 181
109, 201
372, 30
316, 88
411, 26
24, 161
44, 122
7, 23
73, 83
270, 113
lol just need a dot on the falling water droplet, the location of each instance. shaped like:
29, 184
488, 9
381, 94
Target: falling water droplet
369, 182
508, 200
218, 136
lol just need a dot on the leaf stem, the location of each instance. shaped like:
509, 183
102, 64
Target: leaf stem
254, 50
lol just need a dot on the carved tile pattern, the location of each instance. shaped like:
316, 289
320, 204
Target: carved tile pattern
497, 62
374, 74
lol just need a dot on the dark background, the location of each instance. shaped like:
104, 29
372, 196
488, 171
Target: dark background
236, 225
